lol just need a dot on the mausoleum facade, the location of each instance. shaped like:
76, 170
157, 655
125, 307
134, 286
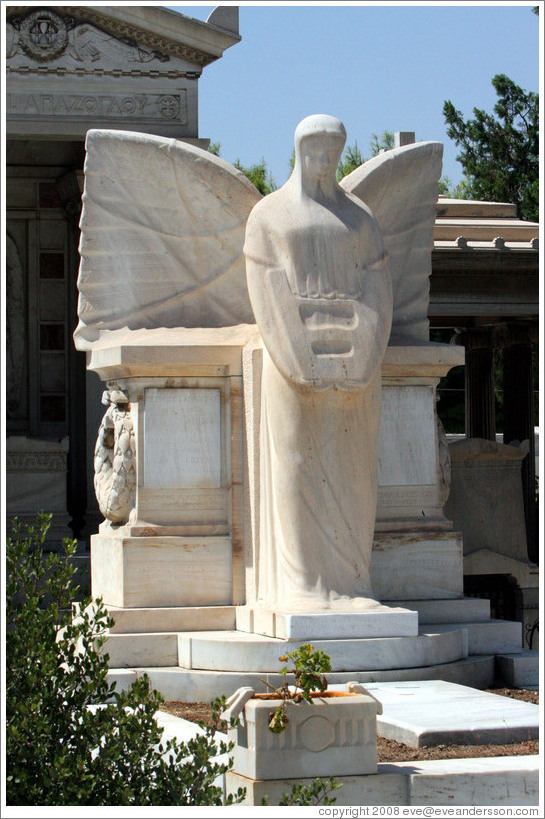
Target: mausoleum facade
70, 69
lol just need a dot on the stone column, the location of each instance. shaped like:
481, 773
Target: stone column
518, 409
479, 384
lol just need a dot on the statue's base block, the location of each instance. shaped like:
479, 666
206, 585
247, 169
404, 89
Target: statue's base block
378, 621
139, 572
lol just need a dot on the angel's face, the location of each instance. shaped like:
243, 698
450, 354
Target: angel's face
320, 155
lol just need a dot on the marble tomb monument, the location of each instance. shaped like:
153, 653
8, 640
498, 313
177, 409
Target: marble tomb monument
271, 454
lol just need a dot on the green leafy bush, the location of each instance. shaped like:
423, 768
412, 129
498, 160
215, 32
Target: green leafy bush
315, 794
71, 739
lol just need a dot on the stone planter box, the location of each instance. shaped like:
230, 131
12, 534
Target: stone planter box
335, 736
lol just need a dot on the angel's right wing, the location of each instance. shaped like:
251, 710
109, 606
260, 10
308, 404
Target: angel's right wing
162, 231
401, 188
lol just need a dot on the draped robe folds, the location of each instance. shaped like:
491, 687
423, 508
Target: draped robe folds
321, 294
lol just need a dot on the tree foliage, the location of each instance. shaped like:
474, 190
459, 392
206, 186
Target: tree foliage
353, 158
71, 739
214, 148
350, 160
384, 142
500, 151
448, 188
258, 175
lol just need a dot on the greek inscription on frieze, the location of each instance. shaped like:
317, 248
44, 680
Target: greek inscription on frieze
172, 107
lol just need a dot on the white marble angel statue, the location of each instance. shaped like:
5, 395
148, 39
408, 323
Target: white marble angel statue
173, 236
322, 298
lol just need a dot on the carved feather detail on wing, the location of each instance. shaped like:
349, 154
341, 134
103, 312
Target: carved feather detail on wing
162, 231
401, 188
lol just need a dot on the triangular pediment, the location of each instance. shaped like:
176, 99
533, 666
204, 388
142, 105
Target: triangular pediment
122, 38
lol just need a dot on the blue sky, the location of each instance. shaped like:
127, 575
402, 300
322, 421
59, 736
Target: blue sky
377, 67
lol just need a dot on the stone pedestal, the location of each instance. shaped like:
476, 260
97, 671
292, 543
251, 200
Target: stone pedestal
486, 499
182, 542
416, 553
424, 565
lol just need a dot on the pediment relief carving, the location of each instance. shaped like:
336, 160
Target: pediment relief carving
87, 40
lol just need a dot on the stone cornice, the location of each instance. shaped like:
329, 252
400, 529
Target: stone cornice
62, 71
168, 33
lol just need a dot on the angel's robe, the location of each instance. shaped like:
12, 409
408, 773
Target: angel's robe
321, 295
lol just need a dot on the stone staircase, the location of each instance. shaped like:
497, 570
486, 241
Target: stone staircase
485, 635
197, 653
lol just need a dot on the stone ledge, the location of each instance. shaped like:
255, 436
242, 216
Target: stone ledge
488, 637
462, 610
203, 686
502, 781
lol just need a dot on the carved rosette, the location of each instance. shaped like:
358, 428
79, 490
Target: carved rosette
115, 459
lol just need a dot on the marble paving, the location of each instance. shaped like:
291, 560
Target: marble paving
434, 712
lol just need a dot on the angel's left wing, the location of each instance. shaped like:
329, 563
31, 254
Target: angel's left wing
162, 232
401, 188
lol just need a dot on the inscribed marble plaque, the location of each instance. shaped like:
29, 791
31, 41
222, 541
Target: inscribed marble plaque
182, 441
406, 451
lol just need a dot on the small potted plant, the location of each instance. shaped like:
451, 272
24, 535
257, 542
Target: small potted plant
304, 730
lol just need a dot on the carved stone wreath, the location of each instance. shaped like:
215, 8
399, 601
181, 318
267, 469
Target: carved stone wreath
115, 459
43, 35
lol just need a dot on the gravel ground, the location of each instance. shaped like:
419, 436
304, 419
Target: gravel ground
391, 751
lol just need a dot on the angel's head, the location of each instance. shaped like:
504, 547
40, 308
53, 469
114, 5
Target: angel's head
319, 141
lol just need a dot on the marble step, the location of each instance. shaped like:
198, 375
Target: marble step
489, 637
462, 610
518, 670
191, 618
240, 651
137, 650
189, 685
